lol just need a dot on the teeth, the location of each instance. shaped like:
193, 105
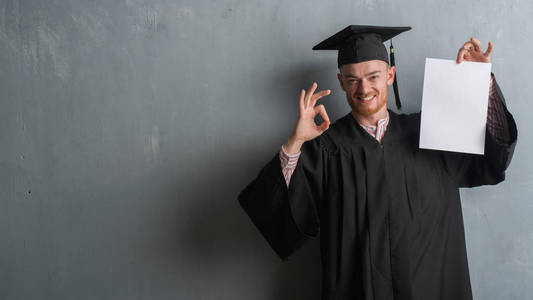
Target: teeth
367, 98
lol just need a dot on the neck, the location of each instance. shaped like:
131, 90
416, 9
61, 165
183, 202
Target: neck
371, 119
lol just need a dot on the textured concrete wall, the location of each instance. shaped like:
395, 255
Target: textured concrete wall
128, 127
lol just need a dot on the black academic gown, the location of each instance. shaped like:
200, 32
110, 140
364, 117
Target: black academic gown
389, 215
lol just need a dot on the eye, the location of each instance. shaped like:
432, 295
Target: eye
374, 77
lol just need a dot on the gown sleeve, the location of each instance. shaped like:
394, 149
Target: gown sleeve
287, 217
475, 170
496, 117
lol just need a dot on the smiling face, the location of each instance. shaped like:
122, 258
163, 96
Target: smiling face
366, 87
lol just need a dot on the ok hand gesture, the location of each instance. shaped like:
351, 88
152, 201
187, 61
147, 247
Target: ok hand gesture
472, 51
306, 129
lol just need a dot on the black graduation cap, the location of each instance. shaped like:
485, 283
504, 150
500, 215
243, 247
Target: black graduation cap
358, 43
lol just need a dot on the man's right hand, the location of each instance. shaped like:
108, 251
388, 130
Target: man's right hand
306, 129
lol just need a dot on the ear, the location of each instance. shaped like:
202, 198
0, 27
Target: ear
391, 72
339, 77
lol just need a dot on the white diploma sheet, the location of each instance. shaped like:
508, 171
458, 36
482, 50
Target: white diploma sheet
454, 106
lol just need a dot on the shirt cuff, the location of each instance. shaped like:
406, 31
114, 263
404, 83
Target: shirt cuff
288, 163
289, 155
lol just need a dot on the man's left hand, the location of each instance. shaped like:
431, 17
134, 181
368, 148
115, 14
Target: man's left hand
472, 51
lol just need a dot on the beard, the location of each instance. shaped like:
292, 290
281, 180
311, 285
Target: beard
368, 110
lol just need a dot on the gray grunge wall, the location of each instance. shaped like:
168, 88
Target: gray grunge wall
128, 127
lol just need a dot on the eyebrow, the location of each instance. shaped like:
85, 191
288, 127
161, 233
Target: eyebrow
366, 75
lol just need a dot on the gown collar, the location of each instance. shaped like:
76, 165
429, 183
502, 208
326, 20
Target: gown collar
355, 131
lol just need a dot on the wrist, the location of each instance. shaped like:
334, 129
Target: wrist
292, 146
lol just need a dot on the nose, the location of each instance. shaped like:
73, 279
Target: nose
364, 87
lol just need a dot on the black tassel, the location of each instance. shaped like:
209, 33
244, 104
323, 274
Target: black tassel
395, 83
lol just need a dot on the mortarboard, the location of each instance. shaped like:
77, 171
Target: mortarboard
358, 43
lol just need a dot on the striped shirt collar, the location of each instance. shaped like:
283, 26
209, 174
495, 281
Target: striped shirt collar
377, 131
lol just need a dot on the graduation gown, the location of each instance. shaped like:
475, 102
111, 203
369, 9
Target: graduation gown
389, 215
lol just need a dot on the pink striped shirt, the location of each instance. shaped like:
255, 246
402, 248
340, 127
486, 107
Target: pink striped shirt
496, 124
377, 131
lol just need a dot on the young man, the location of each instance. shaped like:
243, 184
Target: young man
389, 213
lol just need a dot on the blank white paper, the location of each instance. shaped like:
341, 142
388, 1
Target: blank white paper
454, 106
